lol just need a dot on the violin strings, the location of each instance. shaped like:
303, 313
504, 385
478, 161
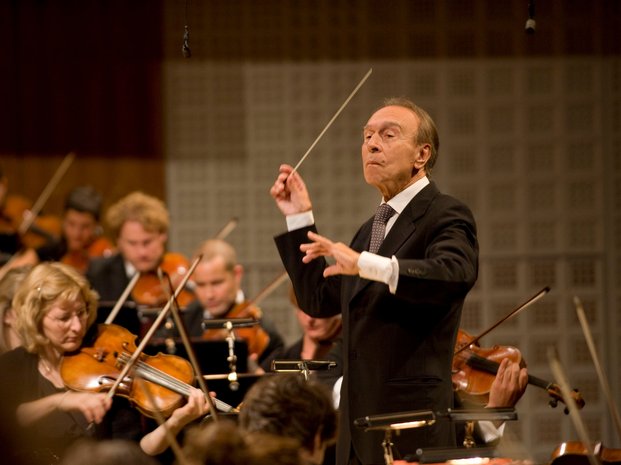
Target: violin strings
158, 376
163, 379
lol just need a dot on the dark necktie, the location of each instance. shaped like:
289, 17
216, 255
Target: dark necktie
382, 215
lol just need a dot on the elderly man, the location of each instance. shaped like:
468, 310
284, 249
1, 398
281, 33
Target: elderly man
400, 285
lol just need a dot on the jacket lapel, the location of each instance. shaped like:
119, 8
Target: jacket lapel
401, 231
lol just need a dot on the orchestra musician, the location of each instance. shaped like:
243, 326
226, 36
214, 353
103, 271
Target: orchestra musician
14, 214
139, 224
320, 340
289, 406
9, 283
9, 239
400, 286
55, 308
319, 335
217, 284
81, 239
506, 390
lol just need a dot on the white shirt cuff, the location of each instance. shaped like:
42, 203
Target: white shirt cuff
300, 220
377, 268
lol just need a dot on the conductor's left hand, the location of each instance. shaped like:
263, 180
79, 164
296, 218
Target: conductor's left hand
345, 257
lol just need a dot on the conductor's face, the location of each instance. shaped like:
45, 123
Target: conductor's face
390, 155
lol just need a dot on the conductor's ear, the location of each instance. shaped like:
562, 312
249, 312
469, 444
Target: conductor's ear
422, 156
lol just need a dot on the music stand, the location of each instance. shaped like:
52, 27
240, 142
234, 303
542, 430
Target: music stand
211, 355
301, 366
419, 418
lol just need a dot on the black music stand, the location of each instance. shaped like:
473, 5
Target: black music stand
302, 366
211, 355
419, 418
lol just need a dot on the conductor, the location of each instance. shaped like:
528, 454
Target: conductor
400, 285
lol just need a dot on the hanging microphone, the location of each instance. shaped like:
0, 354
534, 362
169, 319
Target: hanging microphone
185, 48
531, 25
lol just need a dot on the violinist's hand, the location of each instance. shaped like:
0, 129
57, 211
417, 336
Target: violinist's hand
346, 258
196, 406
289, 192
509, 385
156, 441
92, 405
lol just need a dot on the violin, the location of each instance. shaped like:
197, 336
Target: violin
79, 259
156, 383
149, 290
576, 453
255, 336
44, 228
474, 369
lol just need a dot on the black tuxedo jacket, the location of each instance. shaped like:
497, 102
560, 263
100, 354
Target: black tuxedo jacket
397, 348
108, 277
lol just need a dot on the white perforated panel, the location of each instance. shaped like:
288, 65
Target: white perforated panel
524, 143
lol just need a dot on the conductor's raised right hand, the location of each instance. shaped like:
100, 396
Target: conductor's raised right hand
290, 193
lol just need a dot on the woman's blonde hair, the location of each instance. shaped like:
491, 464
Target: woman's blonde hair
8, 287
47, 284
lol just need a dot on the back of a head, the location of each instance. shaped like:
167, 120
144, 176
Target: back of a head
8, 287
288, 405
107, 452
84, 199
224, 443
217, 443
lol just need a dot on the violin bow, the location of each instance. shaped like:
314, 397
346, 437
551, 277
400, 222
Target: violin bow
561, 380
338, 112
598, 367
271, 287
158, 321
226, 229
45, 194
514, 312
38, 205
188, 345
119, 303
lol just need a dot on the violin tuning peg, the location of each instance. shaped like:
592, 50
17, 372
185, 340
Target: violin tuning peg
553, 403
566, 411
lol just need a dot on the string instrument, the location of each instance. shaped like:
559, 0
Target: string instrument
156, 385
475, 368
79, 259
43, 229
576, 453
149, 290
584, 452
255, 336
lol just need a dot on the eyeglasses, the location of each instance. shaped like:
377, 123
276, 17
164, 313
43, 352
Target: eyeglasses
65, 319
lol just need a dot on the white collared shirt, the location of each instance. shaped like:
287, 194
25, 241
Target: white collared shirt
372, 266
